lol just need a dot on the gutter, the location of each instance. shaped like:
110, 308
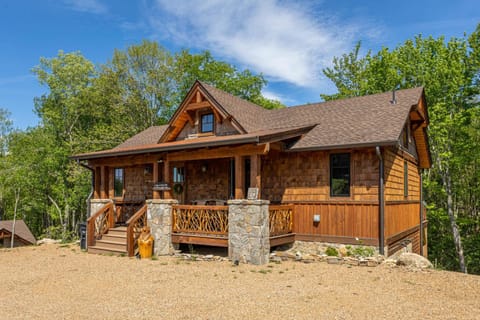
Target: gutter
92, 187
381, 203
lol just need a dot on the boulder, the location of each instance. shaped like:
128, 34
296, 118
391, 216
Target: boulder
413, 260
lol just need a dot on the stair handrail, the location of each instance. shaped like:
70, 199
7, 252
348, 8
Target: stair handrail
99, 223
134, 227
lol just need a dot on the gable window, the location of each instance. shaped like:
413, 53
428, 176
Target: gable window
340, 175
405, 179
207, 123
118, 182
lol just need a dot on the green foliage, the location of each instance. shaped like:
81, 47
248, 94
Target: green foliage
360, 251
87, 108
331, 252
449, 71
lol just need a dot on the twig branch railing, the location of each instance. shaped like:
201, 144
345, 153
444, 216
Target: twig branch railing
212, 220
99, 223
281, 219
134, 228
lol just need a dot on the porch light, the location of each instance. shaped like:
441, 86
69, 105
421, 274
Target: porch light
204, 168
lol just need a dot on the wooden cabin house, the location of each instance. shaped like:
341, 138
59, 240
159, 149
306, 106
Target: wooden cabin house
345, 171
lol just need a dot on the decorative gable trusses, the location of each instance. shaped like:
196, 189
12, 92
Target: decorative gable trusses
197, 100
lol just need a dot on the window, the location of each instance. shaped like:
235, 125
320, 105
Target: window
405, 179
340, 175
178, 174
207, 123
118, 182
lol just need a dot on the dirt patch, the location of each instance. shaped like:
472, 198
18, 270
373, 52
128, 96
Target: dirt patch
58, 281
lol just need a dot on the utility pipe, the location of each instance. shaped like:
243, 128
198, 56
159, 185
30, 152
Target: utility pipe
381, 203
92, 188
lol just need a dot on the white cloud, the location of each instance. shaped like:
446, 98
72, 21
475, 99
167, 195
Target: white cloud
283, 40
90, 6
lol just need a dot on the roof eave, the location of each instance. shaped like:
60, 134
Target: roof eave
346, 146
160, 148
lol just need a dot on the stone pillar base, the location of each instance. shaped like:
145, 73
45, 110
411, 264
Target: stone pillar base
97, 204
159, 219
248, 231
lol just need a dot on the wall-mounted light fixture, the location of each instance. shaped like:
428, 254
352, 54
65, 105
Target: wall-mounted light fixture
316, 218
204, 168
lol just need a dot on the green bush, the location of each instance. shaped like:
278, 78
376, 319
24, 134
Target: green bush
331, 252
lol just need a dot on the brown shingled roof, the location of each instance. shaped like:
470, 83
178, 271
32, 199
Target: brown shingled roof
366, 120
344, 123
148, 136
21, 230
248, 114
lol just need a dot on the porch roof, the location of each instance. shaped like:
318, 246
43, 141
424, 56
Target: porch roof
258, 137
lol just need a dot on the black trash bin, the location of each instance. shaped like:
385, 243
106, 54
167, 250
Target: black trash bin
83, 235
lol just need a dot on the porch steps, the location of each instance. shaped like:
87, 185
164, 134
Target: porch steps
112, 243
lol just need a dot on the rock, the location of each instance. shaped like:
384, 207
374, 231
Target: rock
298, 256
413, 260
307, 258
47, 241
334, 260
209, 257
351, 261
276, 259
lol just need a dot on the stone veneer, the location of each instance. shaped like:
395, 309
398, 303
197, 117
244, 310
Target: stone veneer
248, 231
159, 218
97, 204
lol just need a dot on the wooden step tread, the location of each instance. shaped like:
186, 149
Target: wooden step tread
114, 242
116, 235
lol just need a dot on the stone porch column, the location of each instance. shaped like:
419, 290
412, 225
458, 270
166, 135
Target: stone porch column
159, 219
248, 231
97, 204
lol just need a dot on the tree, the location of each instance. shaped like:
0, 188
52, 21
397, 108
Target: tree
449, 71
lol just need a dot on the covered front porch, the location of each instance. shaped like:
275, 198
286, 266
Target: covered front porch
200, 187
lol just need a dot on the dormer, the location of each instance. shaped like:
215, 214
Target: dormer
200, 115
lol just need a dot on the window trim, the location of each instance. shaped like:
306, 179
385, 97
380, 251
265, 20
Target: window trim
201, 122
405, 178
349, 194
115, 170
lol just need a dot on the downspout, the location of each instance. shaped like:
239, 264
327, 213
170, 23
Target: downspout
92, 188
421, 213
381, 203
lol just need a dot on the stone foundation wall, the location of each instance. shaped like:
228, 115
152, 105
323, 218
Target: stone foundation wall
159, 219
248, 231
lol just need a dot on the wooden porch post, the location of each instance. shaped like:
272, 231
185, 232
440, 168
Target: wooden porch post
104, 182
156, 193
167, 194
98, 182
256, 173
239, 177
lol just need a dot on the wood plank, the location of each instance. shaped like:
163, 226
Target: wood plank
239, 177
200, 239
282, 239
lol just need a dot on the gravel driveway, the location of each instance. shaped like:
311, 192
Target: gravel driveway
62, 282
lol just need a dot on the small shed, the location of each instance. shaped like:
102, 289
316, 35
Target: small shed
23, 235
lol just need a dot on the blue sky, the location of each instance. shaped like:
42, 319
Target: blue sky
288, 41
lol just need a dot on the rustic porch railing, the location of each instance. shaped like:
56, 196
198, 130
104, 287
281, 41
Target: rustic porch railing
134, 228
281, 219
212, 220
99, 223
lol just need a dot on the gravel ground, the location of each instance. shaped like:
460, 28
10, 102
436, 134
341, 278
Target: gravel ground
62, 282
